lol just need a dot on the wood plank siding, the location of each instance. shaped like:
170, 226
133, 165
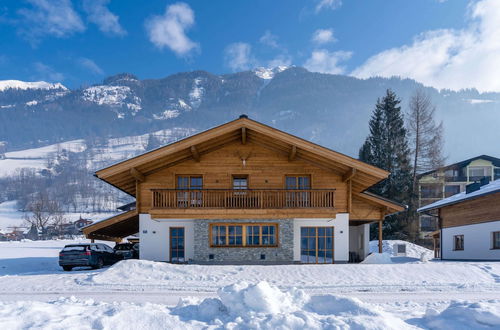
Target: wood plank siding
478, 210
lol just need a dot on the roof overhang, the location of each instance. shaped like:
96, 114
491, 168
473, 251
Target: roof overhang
114, 228
126, 174
391, 207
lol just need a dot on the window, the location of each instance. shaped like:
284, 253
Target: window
458, 244
240, 183
297, 198
427, 223
316, 245
228, 235
297, 182
451, 190
189, 182
496, 240
478, 172
431, 191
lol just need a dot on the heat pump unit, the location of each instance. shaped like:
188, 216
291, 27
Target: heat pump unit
399, 250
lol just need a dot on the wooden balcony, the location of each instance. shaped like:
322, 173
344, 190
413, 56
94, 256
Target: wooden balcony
248, 199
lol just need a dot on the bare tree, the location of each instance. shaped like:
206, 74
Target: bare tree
426, 144
426, 136
39, 211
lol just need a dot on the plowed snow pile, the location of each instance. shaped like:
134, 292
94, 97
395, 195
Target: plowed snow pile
412, 250
240, 306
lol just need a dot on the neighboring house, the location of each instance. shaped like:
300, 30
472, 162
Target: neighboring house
450, 180
469, 223
80, 223
244, 192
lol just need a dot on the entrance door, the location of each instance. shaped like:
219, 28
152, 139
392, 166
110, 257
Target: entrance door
316, 245
177, 244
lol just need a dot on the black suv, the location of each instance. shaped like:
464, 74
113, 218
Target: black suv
127, 250
94, 255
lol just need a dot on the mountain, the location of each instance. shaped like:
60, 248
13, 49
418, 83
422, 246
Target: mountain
332, 110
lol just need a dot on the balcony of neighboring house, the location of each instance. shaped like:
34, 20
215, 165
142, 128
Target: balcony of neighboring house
456, 178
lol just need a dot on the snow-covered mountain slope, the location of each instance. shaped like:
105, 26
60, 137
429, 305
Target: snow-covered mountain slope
268, 73
24, 85
103, 154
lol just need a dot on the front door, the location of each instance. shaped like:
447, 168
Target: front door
177, 244
316, 245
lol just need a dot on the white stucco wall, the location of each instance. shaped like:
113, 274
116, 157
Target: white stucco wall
477, 242
359, 237
341, 235
154, 237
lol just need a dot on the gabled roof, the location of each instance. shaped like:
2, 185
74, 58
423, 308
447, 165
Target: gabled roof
490, 188
463, 163
123, 175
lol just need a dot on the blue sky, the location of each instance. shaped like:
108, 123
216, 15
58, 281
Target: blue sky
446, 44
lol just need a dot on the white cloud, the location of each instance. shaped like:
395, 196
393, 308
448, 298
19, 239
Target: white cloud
47, 73
449, 58
280, 60
323, 61
55, 17
327, 4
323, 36
269, 39
238, 56
90, 65
169, 30
100, 15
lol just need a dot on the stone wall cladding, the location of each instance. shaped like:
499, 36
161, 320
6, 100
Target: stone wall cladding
283, 254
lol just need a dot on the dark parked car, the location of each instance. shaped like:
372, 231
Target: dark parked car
92, 254
127, 250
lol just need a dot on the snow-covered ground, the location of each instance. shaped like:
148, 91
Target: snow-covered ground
407, 294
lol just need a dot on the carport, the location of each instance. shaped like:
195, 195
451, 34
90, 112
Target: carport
114, 228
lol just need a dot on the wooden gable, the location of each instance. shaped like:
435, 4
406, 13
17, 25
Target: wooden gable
124, 175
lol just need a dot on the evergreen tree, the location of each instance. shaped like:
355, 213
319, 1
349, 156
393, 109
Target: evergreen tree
387, 147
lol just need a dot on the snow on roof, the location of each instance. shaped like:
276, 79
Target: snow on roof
489, 188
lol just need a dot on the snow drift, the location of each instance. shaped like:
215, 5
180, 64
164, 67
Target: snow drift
241, 306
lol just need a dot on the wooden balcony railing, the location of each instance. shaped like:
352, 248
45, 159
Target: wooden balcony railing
243, 199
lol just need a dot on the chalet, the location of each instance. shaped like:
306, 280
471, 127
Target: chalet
469, 223
244, 192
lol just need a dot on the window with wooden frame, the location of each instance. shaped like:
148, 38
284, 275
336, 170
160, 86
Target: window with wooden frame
240, 184
243, 235
189, 182
458, 242
297, 198
495, 237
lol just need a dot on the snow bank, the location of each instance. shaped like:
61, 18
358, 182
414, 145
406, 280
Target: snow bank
262, 306
342, 277
378, 258
239, 306
412, 250
464, 315
242, 306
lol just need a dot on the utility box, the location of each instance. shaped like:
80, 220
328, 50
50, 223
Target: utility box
399, 250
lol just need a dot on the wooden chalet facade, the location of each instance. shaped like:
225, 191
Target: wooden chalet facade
244, 192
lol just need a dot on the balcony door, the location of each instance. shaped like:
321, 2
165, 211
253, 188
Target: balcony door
300, 197
192, 198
